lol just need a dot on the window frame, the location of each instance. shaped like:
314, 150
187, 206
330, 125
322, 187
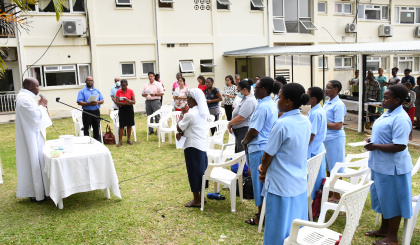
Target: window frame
128, 63
284, 25
343, 66
81, 82
70, 8
59, 70
305, 30
209, 64
380, 8
399, 9
407, 59
325, 7
257, 6
342, 8
147, 62
186, 71
41, 74
325, 63
223, 5
166, 4
380, 62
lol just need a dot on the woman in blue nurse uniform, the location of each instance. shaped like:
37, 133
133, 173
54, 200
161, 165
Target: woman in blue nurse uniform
391, 165
335, 140
283, 166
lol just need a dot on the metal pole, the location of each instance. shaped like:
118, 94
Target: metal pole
274, 66
247, 67
362, 89
312, 71
323, 75
292, 70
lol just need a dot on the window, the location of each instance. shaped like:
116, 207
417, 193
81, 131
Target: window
166, 3
123, 3
407, 15
408, 62
127, 70
257, 5
60, 75
343, 62
148, 67
223, 4
374, 63
186, 66
322, 7
206, 66
322, 63
373, 12
72, 6
343, 8
83, 72
297, 18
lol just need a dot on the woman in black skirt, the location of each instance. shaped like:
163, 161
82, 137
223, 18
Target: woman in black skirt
125, 101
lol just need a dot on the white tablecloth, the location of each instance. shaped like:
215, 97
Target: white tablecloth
352, 105
89, 167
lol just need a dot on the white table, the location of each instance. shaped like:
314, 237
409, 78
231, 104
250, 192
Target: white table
352, 105
89, 167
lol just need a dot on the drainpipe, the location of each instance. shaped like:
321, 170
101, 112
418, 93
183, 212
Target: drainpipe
20, 58
157, 36
270, 44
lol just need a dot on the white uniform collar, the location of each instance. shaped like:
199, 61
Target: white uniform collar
28, 92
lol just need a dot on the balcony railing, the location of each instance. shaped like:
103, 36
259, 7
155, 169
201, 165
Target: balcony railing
7, 102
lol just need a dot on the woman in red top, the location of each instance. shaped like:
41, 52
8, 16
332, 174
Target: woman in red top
201, 83
125, 101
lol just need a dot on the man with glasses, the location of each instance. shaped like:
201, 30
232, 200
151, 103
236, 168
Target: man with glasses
92, 106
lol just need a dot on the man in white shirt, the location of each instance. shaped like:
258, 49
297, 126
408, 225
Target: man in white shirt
30, 131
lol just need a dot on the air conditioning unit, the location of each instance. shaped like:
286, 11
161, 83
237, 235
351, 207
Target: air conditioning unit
386, 30
351, 28
9, 54
72, 27
417, 31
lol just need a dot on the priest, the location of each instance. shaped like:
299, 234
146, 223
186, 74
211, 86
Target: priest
30, 131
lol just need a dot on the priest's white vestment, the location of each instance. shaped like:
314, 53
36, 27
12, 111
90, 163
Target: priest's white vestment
30, 132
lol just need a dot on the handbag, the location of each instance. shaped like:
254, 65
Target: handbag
316, 204
109, 138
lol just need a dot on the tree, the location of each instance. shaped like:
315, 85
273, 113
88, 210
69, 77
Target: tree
11, 21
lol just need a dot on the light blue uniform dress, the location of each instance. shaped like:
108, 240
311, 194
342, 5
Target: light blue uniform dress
286, 178
262, 120
335, 142
318, 121
391, 191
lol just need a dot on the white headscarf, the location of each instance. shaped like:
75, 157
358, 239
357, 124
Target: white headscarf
198, 95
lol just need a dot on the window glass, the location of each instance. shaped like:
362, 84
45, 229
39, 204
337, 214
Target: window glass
60, 78
304, 8
148, 67
222, 6
338, 7
372, 65
407, 17
347, 8
278, 8
417, 15
361, 11
84, 72
186, 66
6, 81
320, 62
48, 6
372, 14
127, 69
338, 62
291, 16
416, 64
206, 66
322, 8
405, 65
347, 62
397, 15
384, 63
385, 12
35, 72
279, 25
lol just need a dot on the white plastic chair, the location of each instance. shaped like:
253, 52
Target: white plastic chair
222, 114
217, 138
335, 184
217, 173
76, 115
226, 151
409, 224
318, 233
167, 125
116, 125
163, 111
313, 166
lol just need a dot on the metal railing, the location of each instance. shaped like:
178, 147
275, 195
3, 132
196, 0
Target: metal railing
7, 102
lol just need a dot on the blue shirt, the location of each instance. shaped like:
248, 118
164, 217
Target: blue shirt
262, 120
318, 121
288, 144
394, 128
84, 94
335, 110
114, 91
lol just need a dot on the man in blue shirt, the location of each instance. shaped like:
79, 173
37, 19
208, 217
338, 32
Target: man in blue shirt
114, 90
318, 121
91, 107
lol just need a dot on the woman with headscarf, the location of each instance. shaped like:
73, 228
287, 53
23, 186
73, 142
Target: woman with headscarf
192, 126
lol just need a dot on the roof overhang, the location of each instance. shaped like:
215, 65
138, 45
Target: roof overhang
409, 47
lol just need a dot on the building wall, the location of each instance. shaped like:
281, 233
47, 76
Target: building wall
143, 32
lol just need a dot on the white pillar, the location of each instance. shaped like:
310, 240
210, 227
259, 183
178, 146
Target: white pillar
360, 115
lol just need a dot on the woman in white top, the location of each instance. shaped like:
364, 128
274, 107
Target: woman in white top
395, 78
192, 126
180, 99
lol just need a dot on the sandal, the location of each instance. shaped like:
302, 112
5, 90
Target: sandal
129, 142
251, 222
373, 234
191, 204
119, 144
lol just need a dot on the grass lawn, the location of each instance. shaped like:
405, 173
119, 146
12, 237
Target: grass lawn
154, 188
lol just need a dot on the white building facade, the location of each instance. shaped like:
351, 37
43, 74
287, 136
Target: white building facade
129, 38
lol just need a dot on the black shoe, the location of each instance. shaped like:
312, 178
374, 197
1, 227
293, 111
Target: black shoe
150, 132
